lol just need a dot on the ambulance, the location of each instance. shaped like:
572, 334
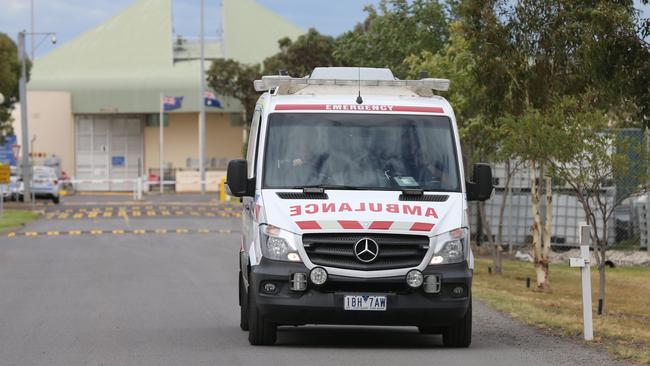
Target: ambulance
355, 206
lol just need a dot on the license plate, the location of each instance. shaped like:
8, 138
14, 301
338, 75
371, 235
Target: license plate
364, 303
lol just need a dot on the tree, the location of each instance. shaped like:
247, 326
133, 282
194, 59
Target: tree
591, 164
456, 62
234, 79
394, 31
532, 54
9, 75
299, 58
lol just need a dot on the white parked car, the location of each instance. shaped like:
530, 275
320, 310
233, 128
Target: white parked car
45, 183
14, 190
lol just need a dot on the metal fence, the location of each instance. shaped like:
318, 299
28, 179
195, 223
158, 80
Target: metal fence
628, 226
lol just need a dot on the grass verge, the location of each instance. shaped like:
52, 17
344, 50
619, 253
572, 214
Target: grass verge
624, 329
14, 218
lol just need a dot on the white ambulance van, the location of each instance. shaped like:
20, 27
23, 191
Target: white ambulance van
355, 206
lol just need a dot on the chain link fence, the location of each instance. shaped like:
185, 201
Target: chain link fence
628, 225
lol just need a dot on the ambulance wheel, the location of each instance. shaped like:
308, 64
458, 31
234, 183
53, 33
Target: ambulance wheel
243, 304
261, 332
55, 200
459, 335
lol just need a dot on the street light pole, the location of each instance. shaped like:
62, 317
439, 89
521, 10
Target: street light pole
26, 170
202, 108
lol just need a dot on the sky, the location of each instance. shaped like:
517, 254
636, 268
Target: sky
70, 18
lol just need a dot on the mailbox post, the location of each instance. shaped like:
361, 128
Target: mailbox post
583, 263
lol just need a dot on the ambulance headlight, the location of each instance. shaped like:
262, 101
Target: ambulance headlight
451, 247
278, 244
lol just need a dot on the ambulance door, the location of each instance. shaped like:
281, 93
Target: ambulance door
249, 224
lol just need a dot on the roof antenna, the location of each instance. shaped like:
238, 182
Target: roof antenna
359, 99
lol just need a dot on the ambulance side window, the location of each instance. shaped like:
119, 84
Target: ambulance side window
251, 153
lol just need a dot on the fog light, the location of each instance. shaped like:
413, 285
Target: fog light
318, 276
298, 282
458, 291
270, 288
432, 284
414, 278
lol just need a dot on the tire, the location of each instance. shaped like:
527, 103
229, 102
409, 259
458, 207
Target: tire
243, 305
261, 332
55, 199
459, 335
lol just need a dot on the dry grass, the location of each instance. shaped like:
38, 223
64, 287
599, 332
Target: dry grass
624, 329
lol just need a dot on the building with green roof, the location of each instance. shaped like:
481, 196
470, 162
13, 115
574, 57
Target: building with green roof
94, 101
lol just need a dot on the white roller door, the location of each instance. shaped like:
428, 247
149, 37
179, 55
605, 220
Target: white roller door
108, 148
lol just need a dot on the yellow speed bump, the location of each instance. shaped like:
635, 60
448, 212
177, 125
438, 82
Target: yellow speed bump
96, 232
74, 232
52, 233
118, 232
182, 231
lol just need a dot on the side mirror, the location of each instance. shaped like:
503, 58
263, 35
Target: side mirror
481, 188
237, 178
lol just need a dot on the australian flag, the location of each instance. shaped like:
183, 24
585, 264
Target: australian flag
210, 100
171, 103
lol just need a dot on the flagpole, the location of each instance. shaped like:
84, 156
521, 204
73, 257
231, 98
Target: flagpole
202, 107
161, 127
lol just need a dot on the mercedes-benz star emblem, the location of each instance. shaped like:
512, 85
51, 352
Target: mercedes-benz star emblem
366, 250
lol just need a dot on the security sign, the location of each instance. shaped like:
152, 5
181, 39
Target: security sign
5, 174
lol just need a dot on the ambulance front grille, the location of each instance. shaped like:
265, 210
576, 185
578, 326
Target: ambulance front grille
337, 250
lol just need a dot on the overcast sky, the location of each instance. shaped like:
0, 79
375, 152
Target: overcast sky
69, 18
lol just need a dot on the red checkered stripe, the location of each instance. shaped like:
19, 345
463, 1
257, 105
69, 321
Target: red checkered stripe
359, 225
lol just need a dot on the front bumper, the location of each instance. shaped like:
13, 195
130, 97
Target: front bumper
45, 191
324, 305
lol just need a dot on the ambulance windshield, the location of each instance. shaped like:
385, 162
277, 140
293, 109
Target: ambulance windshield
360, 151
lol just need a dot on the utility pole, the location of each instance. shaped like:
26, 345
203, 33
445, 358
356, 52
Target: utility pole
32, 26
26, 170
202, 105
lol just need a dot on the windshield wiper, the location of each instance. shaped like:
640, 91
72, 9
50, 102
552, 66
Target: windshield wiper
320, 188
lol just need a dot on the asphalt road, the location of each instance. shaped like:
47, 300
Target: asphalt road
171, 299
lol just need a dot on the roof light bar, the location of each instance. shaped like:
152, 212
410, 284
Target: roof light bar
273, 81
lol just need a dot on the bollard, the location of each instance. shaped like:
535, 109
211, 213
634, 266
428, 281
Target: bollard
139, 188
222, 190
527, 282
